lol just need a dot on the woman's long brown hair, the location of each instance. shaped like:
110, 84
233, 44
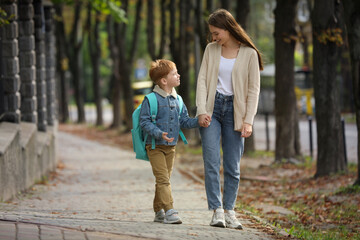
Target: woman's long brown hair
223, 19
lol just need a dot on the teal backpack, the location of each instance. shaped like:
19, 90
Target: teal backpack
139, 141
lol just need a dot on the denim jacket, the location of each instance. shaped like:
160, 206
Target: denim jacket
167, 119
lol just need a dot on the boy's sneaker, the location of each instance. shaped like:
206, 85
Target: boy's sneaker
172, 217
159, 216
231, 220
218, 219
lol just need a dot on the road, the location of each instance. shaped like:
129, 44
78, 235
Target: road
304, 126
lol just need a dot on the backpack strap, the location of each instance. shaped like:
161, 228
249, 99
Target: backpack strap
153, 111
181, 106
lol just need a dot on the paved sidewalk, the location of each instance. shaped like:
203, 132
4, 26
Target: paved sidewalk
105, 193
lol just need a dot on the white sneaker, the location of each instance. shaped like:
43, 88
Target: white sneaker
218, 219
159, 216
172, 217
231, 221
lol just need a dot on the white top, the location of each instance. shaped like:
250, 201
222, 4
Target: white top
224, 85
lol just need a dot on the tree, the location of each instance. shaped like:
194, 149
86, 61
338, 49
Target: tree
62, 64
127, 48
327, 40
69, 50
201, 30
242, 12
179, 46
74, 52
150, 30
287, 128
95, 53
113, 36
352, 20
225, 4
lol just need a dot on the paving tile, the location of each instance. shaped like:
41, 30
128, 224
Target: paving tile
28, 231
50, 233
73, 235
7, 230
109, 236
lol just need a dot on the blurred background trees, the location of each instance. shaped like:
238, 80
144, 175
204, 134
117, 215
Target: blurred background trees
106, 46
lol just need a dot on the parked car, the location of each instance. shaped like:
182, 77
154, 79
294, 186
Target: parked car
141, 89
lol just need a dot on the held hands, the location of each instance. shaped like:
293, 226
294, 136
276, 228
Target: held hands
164, 136
204, 120
246, 130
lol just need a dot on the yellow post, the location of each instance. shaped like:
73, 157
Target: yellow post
308, 94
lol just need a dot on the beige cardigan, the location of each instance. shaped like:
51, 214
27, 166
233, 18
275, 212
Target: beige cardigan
245, 81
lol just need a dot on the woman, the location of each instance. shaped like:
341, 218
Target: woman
227, 90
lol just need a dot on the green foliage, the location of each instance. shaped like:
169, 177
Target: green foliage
194, 150
308, 162
266, 45
110, 7
106, 7
299, 58
260, 154
4, 18
352, 167
243, 206
349, 190
44, 180
302, 232
67, 2
261, 28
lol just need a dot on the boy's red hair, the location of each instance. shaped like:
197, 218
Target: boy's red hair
160, 68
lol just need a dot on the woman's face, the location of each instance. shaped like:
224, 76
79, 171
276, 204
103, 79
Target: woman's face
219, 35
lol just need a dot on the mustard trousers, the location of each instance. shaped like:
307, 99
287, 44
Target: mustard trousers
162, 161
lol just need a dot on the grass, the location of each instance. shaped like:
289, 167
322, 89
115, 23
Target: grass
301, 232
349, 190
324, 208
260, 154
193, 150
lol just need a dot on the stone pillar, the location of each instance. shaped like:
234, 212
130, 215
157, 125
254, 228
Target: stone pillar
27, 61
50, 62
39, 20
10, 64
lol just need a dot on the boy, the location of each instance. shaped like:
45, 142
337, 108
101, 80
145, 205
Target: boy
166, 132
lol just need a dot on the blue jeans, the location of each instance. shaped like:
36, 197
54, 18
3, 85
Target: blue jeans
222, 126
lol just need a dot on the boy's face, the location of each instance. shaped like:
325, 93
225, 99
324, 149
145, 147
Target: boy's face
173, 78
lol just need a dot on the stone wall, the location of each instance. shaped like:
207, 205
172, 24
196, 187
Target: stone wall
27, 156
28, 122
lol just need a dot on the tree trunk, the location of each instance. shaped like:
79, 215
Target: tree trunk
305, 45
285, 100
242, 12
62, 65
126, 63
210, 6
352, 20
325, 57
225, 4
113, 36
95, 52
150, 30
74, 52
180, 47
200, 24
185, 38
